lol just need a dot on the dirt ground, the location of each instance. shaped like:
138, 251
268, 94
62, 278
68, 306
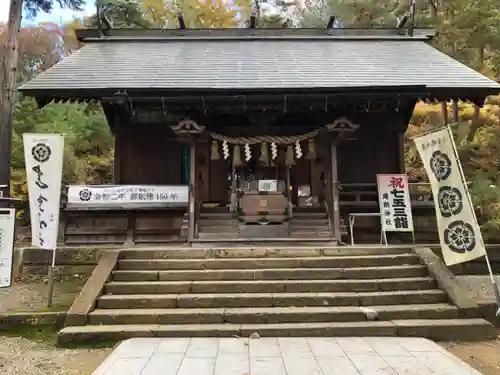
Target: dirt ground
484, 356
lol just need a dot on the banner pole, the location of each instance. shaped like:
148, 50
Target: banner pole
496, 290
51, 277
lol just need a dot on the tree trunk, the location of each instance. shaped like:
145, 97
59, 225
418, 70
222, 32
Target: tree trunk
433, 10
480, 56
474, 126
8, 75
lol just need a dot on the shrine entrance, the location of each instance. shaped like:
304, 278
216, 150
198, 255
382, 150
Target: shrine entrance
273, 191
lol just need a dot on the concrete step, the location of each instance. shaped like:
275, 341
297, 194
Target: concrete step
305, 227
271, 286
254, 263
222, 235
273, 274
150, 301
308, 215
446, 329
258, 252
296, 234
217, 215
218, 229
270, 315
309, 223
216, 222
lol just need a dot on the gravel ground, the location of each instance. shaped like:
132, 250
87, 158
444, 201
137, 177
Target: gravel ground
19, 356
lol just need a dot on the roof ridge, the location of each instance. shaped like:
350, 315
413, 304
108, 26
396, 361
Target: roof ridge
94, 35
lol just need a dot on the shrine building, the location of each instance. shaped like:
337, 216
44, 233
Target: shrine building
272, 134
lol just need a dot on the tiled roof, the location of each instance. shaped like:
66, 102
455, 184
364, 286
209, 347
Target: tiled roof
255, 64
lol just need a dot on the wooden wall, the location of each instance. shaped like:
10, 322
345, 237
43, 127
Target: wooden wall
375, 150
147, 156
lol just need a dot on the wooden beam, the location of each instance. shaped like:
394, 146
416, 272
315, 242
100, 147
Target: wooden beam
335, 190
192, 190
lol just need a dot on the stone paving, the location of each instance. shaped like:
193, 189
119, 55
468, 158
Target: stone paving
282, 356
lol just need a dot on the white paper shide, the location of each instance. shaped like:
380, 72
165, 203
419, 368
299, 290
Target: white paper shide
459, 232
7, 221
394, 203
44, 161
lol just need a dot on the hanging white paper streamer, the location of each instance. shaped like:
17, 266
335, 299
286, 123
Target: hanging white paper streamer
248, 153
274, 151
225, 150
298, 150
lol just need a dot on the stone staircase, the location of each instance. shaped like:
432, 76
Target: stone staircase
217, 223
306, 223
274, 292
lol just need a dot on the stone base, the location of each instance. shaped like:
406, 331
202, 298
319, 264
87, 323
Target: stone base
264, 231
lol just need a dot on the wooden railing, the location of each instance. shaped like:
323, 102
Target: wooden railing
366, 195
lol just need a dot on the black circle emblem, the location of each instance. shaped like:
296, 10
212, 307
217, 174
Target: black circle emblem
41, 152
450, 201
85, 195
440, 164
460, 237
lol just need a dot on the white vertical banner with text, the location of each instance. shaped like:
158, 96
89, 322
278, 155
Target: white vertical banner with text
44, 161
7, 225
394, 203
459, 232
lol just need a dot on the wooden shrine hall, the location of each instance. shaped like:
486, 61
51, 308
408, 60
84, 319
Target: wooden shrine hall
273, 134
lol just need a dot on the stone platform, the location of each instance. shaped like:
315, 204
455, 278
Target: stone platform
282, 356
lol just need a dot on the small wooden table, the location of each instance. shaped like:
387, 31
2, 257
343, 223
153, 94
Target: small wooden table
352, 218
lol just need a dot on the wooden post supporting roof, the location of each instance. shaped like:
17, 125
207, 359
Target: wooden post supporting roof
192, 190
335, 190
188, 129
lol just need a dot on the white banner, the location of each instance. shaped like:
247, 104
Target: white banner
44, 160
7, 222
128, 196
394, 202
459, 232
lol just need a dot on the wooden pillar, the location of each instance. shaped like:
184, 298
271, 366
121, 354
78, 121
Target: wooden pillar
335, 190
192, 190
401, 151
288, 191
454, 110
117, 178
444, 113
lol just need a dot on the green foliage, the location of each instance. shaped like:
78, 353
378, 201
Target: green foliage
480, 158
88, 154
485, 194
